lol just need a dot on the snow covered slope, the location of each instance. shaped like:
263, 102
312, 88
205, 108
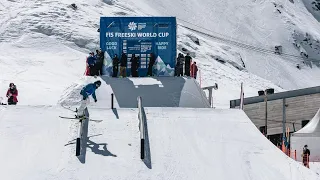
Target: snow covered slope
40, 66
182, 143
58, 38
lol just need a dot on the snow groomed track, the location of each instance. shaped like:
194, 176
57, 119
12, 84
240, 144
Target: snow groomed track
182, 143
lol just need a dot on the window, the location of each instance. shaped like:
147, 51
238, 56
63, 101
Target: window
304, 122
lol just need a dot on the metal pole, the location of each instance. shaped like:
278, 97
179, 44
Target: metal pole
210, 96
266, 113
141, 127
283, 119
112, 101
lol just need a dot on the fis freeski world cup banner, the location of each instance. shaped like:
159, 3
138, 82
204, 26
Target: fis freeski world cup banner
140, 36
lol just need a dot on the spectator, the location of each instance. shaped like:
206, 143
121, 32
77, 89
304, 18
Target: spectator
194, 70
179, 65
176, 72
123, 65
91, 63
306, 156
134, 65
151, 63
99, 63
12, 94
187, 65
115, 64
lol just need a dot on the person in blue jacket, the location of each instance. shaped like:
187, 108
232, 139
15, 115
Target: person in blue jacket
86, 91
92, 64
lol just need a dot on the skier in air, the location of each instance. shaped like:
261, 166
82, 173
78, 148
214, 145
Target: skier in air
86, 91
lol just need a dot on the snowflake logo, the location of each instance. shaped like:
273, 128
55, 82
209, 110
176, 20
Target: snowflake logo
132, 26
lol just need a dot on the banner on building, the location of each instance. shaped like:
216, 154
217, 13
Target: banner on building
140, 36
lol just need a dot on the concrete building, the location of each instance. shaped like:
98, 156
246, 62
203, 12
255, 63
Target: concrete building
292, 108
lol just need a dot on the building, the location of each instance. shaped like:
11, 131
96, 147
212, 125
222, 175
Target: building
292, 108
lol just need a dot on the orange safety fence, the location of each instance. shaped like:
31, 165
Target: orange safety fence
291, 153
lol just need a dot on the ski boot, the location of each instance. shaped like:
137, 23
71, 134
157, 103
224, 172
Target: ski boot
82, 117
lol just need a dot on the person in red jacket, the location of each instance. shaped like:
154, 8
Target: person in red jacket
194, 70
12, 94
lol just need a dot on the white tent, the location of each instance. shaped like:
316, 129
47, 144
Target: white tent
308, 135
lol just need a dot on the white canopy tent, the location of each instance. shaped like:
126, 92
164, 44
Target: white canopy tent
308, 135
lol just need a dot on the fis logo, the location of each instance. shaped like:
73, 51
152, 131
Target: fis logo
132, 26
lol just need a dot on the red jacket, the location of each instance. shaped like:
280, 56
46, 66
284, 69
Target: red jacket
194, 70
14, 93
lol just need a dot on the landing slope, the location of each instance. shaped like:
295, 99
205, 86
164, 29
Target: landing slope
206, 143
182, 143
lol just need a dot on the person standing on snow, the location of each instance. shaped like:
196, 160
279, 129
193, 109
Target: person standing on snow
115, 65
134, 65
194, 70
123, 65
12, 94
86, 91
187, 64
91, 63
306, 156
99, 62
151, 63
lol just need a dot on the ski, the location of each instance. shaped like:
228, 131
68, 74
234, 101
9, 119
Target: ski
64, 117
94, 120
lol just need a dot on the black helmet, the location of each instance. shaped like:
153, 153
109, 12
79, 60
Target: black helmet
98, 83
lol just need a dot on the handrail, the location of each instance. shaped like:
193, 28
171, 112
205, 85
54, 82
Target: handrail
141, 126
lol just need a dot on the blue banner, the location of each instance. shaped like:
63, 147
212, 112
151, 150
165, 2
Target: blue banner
140, 36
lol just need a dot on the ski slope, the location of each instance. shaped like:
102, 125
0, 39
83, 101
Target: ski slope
182, 143
44, 45
55, 39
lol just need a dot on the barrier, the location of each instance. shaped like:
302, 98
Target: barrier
209, 88
80, 137
141, 127
112, 95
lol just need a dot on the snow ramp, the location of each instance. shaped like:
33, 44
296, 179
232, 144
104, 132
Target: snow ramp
155, 92
181, 143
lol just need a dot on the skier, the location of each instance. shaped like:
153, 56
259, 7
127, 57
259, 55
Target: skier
305, 156
86, 91
187, 64
12, 94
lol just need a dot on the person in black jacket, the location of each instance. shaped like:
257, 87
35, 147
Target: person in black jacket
134, 65
306, 156
187, 64
179, 65
151, 63
123, 65
99, 62
115, 65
